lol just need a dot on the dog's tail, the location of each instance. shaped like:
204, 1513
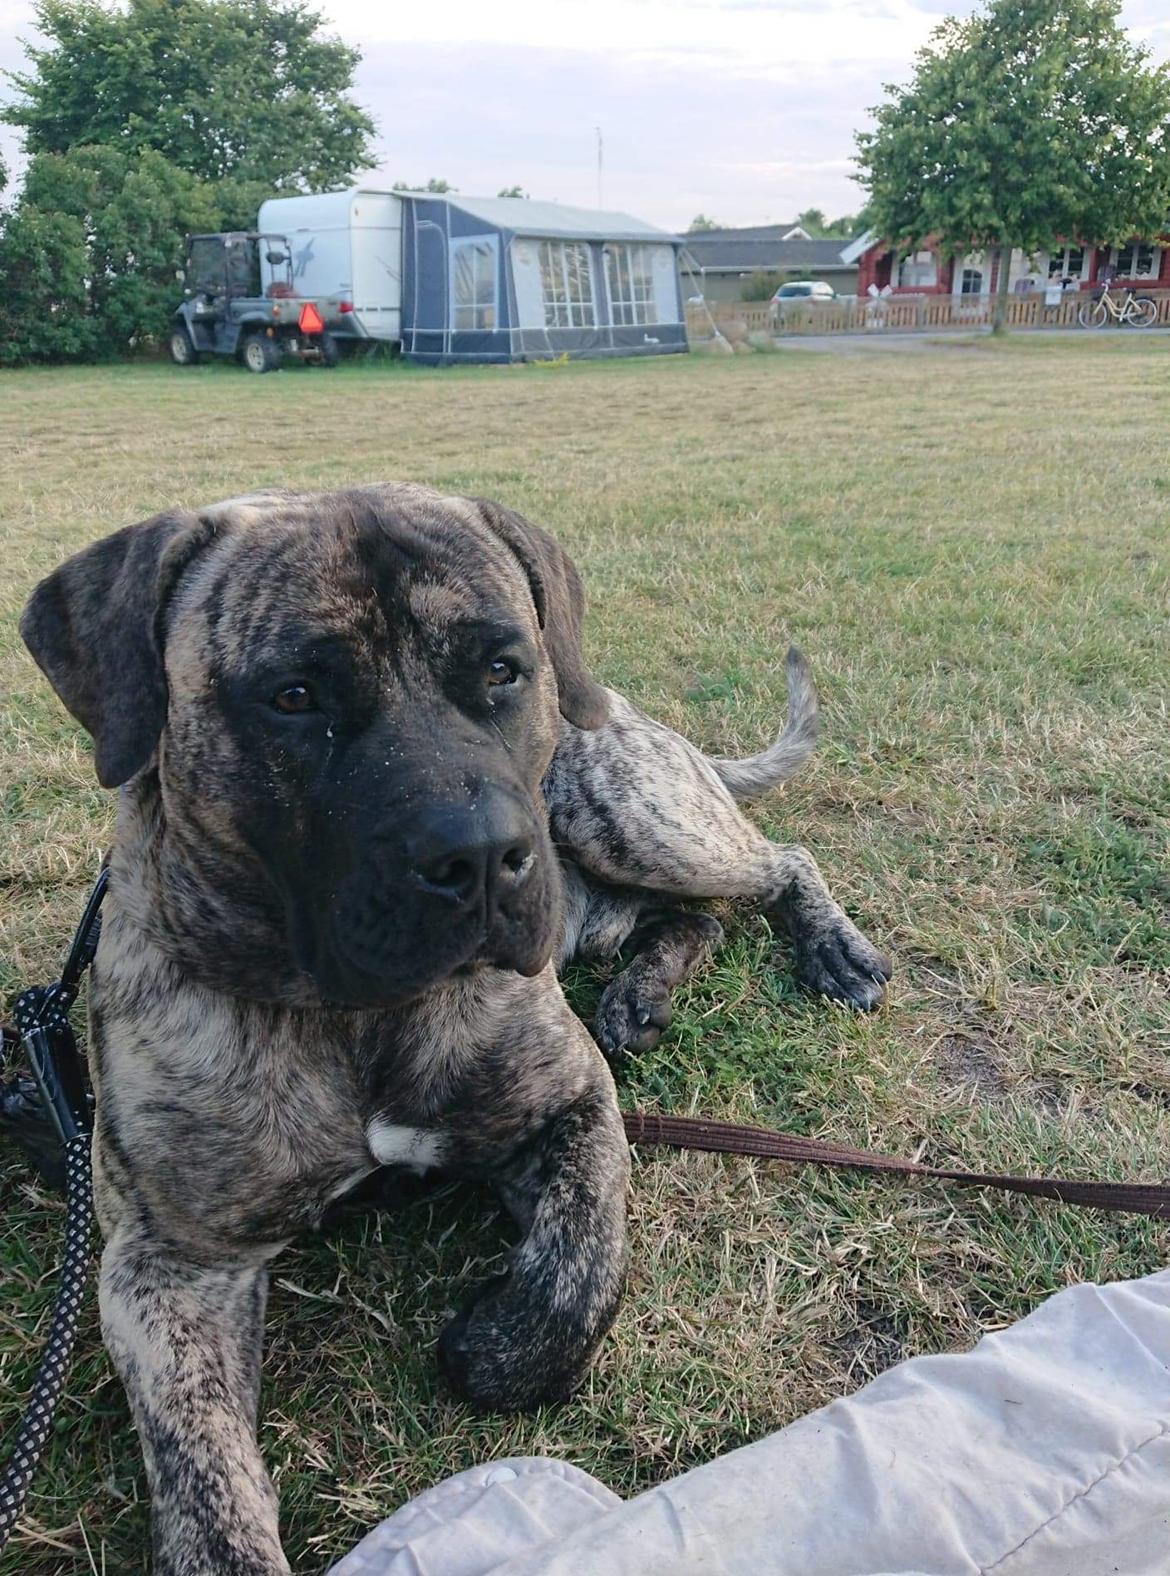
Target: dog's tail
749, 778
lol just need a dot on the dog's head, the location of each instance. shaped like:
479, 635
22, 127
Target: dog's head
340, 707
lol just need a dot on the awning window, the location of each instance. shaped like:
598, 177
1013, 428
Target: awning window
474, 280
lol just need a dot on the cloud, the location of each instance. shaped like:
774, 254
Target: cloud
678, 136
744, 109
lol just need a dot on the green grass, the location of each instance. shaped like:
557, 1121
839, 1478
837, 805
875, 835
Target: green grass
971, 546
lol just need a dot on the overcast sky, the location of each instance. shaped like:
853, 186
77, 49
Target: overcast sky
741, 109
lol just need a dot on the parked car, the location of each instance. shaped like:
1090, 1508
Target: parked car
801, 295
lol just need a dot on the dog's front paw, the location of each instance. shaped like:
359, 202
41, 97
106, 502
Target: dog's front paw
632, 1013
494, 1358
837, 961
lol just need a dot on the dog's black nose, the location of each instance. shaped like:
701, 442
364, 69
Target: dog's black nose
464, 856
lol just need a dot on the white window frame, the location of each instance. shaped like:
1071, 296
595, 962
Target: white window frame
563, 309
629, 279
1137, 248
917, 261
1060, 264
480, 303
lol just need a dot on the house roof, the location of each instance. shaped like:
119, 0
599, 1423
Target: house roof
741, 251
857, 248
527, 216
751, 232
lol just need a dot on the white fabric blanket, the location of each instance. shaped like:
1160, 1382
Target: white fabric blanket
1045, 1451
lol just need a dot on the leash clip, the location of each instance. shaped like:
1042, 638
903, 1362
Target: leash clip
40, 1019
50, 1048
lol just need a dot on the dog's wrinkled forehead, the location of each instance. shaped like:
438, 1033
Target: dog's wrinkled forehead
142, 616
370, 566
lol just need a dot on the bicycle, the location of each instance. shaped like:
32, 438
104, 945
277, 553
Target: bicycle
1137, 311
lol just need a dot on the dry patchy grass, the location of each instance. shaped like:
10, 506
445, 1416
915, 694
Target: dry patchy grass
973, 552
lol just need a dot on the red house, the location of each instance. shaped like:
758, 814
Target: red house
925, 272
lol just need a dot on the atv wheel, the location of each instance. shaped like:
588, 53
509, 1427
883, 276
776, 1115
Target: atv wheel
183, 352
330, 350
260, 354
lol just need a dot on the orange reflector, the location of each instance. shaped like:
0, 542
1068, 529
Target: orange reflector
310, 321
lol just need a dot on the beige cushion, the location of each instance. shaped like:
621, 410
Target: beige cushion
1045, 1451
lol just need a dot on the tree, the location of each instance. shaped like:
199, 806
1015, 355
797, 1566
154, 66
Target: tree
701, 222
848, 225
88, 256
512, 191
812, 220
1029, 123
433, 184
44, 309
224, 89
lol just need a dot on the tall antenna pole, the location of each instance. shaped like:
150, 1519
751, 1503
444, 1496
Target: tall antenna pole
600, 163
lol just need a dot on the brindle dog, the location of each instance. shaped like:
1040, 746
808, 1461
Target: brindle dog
333, 906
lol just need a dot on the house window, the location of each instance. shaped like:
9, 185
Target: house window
474, 274
1069, 264
566, 282
918, 271
1136, 260
971, 282
631, 285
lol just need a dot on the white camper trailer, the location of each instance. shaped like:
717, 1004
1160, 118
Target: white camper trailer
450, 278
346, 247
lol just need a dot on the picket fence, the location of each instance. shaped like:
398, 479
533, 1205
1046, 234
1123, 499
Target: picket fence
896, 313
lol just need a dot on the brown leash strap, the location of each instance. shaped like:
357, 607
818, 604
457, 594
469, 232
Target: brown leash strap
726, 1138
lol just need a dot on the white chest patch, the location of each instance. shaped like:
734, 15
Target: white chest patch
419, 1148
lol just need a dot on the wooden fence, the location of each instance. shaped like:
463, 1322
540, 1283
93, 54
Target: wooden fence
887, 314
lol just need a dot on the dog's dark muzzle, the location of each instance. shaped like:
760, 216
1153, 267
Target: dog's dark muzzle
474, 858
456, 882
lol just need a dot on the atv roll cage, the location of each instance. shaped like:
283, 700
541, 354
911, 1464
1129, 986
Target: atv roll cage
228, 265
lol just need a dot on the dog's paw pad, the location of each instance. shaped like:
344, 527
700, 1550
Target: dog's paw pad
631, 1016
841, 964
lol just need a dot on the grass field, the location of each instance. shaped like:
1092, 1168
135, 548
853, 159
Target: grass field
972, 548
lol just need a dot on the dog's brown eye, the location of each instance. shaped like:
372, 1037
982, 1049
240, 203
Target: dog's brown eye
501, 672
295, 699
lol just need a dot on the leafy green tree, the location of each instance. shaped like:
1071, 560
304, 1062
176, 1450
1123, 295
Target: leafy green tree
433, 184
224, 89
512, 191
701, 222
112, 225
1029, 123
813, 220
44, 305
847, 226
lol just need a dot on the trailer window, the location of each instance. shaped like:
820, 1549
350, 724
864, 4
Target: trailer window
631, 285
566, 282
474, 272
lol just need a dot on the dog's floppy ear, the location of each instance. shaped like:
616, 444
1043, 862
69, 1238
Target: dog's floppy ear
560, 608
94, 629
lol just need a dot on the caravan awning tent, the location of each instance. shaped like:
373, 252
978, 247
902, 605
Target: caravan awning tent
508, 279
453, 278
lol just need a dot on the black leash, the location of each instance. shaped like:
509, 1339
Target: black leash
56, 1137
